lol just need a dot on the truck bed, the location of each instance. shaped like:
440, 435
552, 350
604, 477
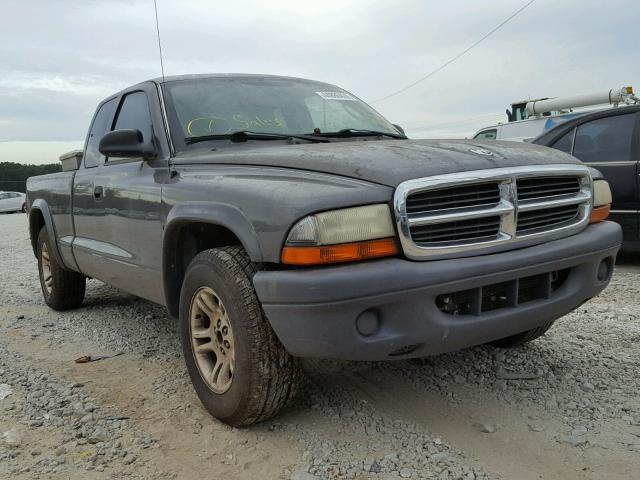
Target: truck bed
54, 192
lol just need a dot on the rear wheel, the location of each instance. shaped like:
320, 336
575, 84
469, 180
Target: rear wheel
522, 338
61, 289
239, 369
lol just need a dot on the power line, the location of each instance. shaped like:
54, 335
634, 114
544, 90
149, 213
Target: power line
155, 6
404, 89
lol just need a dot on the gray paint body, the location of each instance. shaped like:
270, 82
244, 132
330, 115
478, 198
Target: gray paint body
256, 190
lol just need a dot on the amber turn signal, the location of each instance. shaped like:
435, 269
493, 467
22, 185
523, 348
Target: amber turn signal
343, 252
599, 213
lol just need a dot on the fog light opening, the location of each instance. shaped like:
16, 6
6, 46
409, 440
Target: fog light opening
605, 269
368, 323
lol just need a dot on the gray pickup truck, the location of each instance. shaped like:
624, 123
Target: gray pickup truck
279, 218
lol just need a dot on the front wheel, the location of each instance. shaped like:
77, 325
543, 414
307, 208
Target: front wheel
61, 289
522, 338
239, 369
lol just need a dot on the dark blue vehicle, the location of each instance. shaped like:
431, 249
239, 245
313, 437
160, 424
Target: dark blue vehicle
608, 140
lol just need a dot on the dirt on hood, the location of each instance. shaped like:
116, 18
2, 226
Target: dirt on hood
386, 162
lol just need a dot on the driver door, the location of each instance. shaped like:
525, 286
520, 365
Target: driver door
118, 212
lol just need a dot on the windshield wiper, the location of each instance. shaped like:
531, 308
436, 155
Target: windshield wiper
353, 132
244, 135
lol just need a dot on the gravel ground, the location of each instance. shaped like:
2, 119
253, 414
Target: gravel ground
565, 406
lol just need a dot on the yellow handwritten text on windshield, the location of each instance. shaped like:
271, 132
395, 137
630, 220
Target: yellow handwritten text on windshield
217, 125
207, 126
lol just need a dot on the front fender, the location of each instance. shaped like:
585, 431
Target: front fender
216, 213
261, 204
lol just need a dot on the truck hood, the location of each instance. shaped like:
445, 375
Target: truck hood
386, 162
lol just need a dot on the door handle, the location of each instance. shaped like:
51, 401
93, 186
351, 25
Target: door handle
97, 192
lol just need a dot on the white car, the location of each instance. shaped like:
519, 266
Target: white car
13, 202
530, 118
523, 130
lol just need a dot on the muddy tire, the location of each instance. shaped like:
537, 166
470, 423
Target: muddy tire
522, 338
62, 289
239, 369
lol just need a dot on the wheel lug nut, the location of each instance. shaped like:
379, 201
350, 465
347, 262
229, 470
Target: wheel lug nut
227, 344
219, 323
225, 330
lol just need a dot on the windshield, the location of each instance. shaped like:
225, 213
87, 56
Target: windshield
285, 106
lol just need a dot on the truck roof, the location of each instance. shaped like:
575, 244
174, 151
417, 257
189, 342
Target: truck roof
174, 78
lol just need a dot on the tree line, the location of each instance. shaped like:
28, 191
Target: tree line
13, 176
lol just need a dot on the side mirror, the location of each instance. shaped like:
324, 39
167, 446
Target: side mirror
400, 129
126, 144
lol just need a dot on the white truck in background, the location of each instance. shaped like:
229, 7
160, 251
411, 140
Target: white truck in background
530, 118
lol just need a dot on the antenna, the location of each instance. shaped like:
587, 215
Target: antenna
155, 5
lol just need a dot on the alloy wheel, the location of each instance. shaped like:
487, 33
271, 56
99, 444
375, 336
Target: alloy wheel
212, 340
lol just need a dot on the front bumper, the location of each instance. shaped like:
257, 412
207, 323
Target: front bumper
389, 308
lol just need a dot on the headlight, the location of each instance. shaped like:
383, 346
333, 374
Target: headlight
341, 235
601, 193
601, 201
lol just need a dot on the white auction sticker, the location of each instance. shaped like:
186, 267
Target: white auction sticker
335, 96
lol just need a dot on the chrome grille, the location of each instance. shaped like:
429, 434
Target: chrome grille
484, 194
491, 210
544, 219
450, 232
545, 187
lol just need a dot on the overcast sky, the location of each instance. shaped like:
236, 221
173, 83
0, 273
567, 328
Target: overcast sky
58, 58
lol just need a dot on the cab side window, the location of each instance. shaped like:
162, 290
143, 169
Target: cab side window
100, 126
134, 114
606, 139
